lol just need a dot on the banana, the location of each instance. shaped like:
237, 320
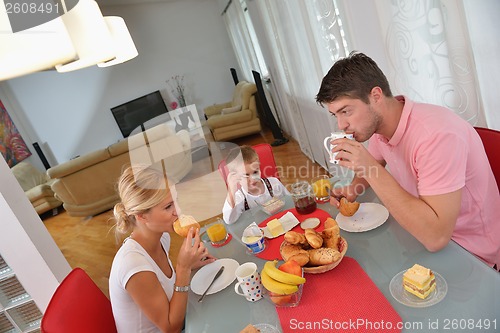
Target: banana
276, 286
280, 276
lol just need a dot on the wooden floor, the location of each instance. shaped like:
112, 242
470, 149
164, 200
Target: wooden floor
91, 243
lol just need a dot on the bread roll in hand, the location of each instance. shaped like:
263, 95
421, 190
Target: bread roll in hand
184, 223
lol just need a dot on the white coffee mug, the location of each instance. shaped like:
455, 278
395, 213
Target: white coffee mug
249, 281
328, 146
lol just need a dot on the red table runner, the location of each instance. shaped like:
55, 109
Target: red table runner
272, 250
344, 299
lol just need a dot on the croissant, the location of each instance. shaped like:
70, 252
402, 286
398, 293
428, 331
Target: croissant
293, 237
313, 238
323, 256
332, 243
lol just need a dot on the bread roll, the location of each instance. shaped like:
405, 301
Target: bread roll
313, 238
302, 258
347, 208
333, 232
330, 223
332, 243
184, 223
323, 256
293, 237
288, 250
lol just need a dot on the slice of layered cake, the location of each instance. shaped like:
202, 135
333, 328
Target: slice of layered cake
419, 281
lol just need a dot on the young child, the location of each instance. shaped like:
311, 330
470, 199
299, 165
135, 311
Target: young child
245, 185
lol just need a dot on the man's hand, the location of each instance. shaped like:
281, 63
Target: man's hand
354, 155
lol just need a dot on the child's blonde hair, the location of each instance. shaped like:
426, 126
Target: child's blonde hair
248, 156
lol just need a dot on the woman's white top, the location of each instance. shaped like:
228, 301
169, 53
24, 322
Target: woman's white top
130, 259
230, 214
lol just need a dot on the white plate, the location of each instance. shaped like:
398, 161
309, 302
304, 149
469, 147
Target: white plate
288, 221
369, 216
402, 296
204, 276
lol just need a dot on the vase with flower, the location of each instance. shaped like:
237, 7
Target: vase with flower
177, 87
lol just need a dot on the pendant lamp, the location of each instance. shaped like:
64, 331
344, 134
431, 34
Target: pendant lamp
124, 47
34, 49
90, 35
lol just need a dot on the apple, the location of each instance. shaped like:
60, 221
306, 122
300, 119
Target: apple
291, 267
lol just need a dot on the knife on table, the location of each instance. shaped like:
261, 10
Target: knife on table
219, 272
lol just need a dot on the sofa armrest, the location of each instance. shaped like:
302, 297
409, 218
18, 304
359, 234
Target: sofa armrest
216, 109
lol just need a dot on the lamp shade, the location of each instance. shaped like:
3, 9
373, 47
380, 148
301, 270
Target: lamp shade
34, 49
90, 35
122, 41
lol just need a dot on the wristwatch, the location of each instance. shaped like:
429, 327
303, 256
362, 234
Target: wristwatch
184, 289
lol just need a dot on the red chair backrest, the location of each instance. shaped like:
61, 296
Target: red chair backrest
78, 306
491, 142
267, 162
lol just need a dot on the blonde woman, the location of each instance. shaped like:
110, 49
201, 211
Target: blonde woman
147, 294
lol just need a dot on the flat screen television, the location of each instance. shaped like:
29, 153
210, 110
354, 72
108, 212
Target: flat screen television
134, 113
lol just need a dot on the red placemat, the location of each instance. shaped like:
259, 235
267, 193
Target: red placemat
272, 250
344, 299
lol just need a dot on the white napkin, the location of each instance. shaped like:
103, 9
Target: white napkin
288, 221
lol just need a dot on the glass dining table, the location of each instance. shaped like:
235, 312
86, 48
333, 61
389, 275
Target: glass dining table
472, 302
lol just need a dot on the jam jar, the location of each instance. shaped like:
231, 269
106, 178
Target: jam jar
303, 197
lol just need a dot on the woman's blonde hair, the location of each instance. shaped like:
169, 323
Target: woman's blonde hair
140, 188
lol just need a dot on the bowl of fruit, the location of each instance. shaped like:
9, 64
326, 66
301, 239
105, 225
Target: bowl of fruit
284, 284
271, 206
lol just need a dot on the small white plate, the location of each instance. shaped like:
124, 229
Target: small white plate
369, 216
266, 328
402, 296
204, 276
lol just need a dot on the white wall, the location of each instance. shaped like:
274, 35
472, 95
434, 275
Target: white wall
69, 114
25, 243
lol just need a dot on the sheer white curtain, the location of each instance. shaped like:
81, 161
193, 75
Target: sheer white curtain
244, 41
304, 39
428, 47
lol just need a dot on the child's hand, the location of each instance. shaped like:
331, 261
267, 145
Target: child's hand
233, 181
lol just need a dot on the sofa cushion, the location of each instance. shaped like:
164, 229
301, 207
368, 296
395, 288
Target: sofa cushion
38, 192
28, 176
229, 119
232, 109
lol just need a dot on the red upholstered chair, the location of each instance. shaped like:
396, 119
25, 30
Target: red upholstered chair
491, 141
267, 162
78, 306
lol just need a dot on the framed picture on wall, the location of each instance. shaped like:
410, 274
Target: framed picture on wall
12, 145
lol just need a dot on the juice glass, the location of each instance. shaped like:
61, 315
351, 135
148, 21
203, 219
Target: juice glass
217, 233
321, 187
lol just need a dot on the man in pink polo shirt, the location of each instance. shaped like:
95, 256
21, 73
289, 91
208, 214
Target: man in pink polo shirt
439, 185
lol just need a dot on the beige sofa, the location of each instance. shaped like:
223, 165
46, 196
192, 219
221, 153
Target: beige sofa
237, 117
87, 184
36, 186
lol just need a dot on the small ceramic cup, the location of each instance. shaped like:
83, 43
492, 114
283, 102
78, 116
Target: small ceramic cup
249, 282
328, 146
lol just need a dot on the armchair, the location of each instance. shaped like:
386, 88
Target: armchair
36, 186
227, 121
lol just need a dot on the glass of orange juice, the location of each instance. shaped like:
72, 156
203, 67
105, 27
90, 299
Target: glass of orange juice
321, 187
217, 233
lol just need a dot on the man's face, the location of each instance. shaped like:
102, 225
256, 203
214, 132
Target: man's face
355, 117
